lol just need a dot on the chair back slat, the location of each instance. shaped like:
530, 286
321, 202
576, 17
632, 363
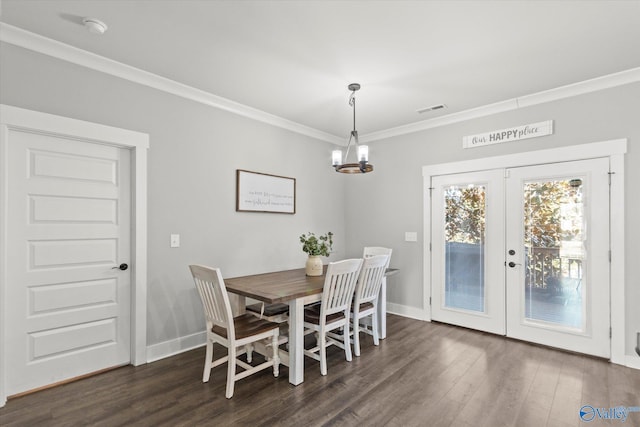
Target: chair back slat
214, 297
339, 285
370, 280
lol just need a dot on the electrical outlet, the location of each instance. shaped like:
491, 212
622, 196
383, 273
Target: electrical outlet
175, 240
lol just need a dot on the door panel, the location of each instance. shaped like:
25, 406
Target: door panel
558, 227
467, 282
68, 311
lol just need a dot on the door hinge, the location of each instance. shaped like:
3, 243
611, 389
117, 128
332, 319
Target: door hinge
430, 249
610, 173
609, 255
429, 301
610, 332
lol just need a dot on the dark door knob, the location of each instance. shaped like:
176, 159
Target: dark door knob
122, 267
512, 264
512, 252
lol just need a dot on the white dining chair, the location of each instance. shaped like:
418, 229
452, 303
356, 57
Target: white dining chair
365, 301
333, 311
370, 251
365, 324
231, 332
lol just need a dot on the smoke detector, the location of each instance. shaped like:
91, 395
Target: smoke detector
95, 26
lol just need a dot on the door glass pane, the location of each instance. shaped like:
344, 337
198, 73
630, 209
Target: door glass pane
554, 239
464, 247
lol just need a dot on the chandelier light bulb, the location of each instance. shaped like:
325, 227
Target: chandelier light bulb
363, 153
336, 156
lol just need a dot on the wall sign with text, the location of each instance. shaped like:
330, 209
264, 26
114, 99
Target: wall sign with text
517, 133
261, 192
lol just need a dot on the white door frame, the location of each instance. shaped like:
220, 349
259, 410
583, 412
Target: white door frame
614, 150
18, 118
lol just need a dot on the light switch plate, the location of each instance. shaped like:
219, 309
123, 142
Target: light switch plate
175, 240
411, 236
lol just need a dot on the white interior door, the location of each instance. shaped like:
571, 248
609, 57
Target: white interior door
557, 228
467, 284
67, 309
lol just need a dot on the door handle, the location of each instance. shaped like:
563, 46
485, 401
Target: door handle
512, 264
122, 267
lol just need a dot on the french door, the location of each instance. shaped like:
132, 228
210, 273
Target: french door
523, 252
557, 266
468, 246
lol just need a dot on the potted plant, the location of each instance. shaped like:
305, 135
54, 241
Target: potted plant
315, 247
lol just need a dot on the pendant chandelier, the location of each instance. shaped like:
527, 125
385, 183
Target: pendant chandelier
362, 151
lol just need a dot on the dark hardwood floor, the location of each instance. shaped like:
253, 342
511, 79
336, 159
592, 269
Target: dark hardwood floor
423, 374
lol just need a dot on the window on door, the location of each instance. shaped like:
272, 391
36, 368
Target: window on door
554, 246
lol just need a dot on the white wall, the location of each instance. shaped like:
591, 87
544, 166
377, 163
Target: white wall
396, 205
195, 151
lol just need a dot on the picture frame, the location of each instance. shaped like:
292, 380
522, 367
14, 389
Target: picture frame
263, 192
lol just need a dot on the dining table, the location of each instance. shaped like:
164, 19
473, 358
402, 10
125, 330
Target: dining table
296, 289
293, 287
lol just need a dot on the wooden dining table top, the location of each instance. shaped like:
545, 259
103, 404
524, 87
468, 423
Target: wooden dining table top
278, 286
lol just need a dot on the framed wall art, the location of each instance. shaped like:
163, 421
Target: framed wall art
261, 192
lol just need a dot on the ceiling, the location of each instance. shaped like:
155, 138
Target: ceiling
294, 59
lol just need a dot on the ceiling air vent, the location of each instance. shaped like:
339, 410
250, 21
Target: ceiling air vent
432, 108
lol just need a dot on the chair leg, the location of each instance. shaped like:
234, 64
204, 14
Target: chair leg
231, 371
356, 336
249, 350
322, 349
276, 355
347, 342
208, 361
374, 324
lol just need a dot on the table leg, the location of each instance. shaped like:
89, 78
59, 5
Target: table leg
296, 341
382, 309
238, 304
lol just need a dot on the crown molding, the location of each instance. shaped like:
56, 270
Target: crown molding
599, 83
37, 43
486, 110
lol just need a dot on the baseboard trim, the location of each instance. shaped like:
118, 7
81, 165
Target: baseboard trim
170, 348
179, 345
406, 311
632, 361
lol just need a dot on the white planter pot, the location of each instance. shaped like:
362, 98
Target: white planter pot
313, 267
